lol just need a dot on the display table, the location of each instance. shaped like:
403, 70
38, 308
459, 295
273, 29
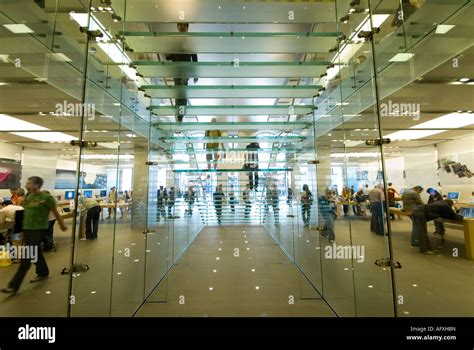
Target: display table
467, 226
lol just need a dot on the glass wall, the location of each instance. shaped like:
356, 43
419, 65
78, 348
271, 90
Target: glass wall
352, 104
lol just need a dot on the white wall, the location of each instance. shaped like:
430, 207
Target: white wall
40, 163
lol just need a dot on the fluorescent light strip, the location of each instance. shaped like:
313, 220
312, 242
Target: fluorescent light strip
9, 123
19, 28
402, 57
444, 28
52, 136
448, 121
412, 134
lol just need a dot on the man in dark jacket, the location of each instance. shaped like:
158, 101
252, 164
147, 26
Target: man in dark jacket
181, 103
427, 212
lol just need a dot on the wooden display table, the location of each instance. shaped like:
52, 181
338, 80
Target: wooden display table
467, 226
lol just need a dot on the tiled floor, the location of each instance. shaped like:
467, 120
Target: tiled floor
235, 271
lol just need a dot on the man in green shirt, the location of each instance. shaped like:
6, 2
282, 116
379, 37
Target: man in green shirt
37, 206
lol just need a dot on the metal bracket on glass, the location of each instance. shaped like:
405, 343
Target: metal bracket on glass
151, 163
377, 142
313, 162
91, 34
386, 262
83, 144
368, 34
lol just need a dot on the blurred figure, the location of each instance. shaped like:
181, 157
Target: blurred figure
7, 214
273, 201
411, 199
289, 197
232, 200
436, 196
306, 202
190, 198
171, 201
37, 206
219, 199
112, 200
20, 196
212, 155
346, 197
432, 211
92, 209
162, 197
48, 241
392, 193
376, 198
247, 201
361, 207
181, 103
251, 163
326, 219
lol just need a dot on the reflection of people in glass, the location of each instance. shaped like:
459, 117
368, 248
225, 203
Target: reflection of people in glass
181, 103
376, 198
306, 202
272, 198
219, 198
170, 202
212, 155
251, 163
190, 198
326, 218
246, 199
289, 197
162, 196
232, 198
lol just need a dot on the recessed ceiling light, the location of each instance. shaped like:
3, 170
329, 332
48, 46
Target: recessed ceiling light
18, 28
2, 83
448, 121
443, 28
412, 134
402, 57
464, 80
10, 123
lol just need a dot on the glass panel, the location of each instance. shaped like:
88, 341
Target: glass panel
232, 43
226, 91
229, 11
427, 114
231, 110
231, 69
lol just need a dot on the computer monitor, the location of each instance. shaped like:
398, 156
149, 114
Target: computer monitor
103, 193
88, 194
6, 199
453, 195
402, 190
467, 212
69, 195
